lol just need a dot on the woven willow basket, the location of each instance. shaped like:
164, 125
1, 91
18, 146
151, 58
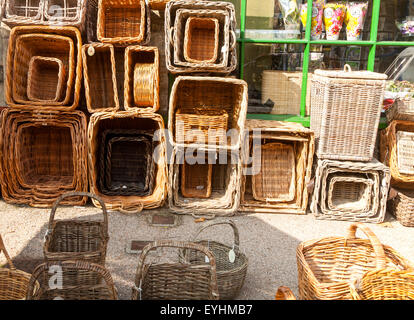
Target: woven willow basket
196, 180
13, 282
22, 12
177, 35
302, 140
75, 239
401, 206
31, 175
401, 109
328, 266
345, 113
81, 280
175, 280
17, 65
100, 77
351, 210
231, 270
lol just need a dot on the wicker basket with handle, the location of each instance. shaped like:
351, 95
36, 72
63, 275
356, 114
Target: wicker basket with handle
81, 280
176, 280
345, 113
231, 263
14, 283
328, 266
72, 239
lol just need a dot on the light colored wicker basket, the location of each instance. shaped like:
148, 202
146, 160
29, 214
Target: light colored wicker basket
401, 109
100, 77
302, 140
17, 71
196, 180
351, 211
23, 11
328, 266
345, 113
141, 84
128, 120
401, 206
215, 92
121, 22
405, 152
170, 35
202, 125
178, 37
276, 180
45, 80
284, 88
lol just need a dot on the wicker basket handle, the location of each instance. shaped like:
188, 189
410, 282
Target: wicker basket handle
347, 68
133, 210
85, 194
228, 222
6, 254
176, 244
376, 244
284, 293
233, 40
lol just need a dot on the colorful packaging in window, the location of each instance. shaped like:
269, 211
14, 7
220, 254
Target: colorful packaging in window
356, 13
317, 13
333, 19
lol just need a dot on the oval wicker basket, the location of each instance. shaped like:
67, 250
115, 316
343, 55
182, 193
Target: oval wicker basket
13, 282
230, 275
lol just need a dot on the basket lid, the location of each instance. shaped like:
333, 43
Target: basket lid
347, 73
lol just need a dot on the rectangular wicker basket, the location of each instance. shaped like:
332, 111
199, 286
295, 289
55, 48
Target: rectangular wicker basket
289, 136
401, 109
351, 210
217, 93
100, 77
345, 113
196, 180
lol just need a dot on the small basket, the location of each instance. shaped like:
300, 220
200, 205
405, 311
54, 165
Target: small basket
345, 113
14, 283
71, 239
401, 206
284, 293
141, 86
80, 280
384, 284
45, 80
405, 152
196, 180
231, 263
23, 11
328, 266
201, 40
121, 22
276, 163
401, 109
100, 77
176, 280
202, 125
61, 11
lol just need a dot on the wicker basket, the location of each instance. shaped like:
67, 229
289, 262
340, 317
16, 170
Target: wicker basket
223, 45
13, 282
284, 89
17, 66
121, 22
284, 134
401, 109
345, 113
175, 280
401, 206
384, 284
353, 207
396, 152
141, 86
81, 280
100, 77
201, 125
224, 199
73, 239
128, 120
32, 45
158, 4
328, 266
276, 162
46, 157
23, 11
45, 80
196, 180
217, 93
201, 39
284, 293
231, 263
204, 9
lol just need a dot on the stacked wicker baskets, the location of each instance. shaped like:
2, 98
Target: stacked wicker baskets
349, 183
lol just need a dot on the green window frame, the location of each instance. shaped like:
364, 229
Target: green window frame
372, 43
